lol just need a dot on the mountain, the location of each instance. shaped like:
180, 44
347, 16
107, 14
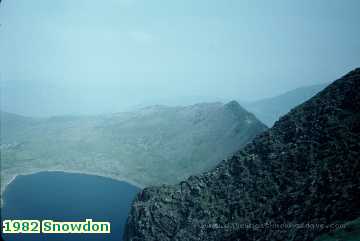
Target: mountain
13, 123
295, 181
153, 145
270, 110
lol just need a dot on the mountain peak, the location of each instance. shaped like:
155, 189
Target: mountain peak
235, 107
233, 104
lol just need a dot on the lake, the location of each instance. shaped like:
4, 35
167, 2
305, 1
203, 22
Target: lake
72, 197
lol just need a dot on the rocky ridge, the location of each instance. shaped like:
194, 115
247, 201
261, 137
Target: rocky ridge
304, 170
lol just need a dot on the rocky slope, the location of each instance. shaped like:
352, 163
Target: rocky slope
271, 109
153, 145
304, 170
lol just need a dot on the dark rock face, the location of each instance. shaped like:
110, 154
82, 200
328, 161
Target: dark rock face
304, 170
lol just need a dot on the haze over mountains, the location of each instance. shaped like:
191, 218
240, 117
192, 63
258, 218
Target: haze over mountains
303, 171
269, 110
153, 145
175, 141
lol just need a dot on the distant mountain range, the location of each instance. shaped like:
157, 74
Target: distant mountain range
153, 145
269, 110
295, 181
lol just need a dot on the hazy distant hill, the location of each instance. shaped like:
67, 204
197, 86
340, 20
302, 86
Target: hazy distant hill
270, 110
153, 145
12, 123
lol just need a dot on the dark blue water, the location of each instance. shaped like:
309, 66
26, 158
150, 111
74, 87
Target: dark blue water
68, 197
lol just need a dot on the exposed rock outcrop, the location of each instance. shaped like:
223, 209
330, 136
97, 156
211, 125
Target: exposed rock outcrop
304, 170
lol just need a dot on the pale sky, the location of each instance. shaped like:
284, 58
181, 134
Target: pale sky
89, 57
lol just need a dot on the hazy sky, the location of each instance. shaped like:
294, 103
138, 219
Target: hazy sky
84, 56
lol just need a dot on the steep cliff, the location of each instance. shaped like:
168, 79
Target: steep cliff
304, 170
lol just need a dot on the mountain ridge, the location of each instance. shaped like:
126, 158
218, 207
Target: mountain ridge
304, 170
147, 147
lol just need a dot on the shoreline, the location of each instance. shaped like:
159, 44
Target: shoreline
13, 177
